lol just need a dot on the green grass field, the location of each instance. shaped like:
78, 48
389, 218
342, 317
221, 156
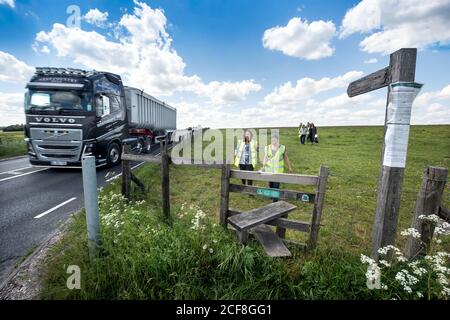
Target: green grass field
12, 144
169, 261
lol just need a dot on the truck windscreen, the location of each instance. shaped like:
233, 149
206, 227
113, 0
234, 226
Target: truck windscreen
58, 100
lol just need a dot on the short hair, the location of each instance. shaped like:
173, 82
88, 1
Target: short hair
274, 135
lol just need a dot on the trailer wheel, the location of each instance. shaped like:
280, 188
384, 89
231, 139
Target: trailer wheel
140, 146
113, 156
148, 145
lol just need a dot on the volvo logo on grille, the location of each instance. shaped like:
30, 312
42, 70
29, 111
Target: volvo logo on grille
55, 120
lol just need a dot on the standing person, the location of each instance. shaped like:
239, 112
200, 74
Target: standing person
312, 133
300, 131
246, 154
307, 130
303, 134
316, 135
274, 158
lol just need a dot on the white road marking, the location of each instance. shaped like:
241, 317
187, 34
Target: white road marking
14, 170
54, 208
138, 165
118, 175
23, 174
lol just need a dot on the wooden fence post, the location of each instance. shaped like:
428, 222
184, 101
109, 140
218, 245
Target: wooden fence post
318, 206
428, 203
224, 193
126, 174
165, 180
401, 68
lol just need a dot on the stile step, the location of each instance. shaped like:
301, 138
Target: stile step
272, 244
252, 218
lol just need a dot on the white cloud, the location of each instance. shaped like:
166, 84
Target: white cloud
143, 55
45, 49
371, 60
306, 88
11, 108
425, 99
435, 107
227, 92
432, 107
343, 100
398, 24
90, 49
301, 39
10, 3
13, 70
96, 17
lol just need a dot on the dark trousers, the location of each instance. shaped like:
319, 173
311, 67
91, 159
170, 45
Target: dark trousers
274, 185
303, 138
248, 167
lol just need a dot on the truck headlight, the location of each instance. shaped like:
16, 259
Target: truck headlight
89, 148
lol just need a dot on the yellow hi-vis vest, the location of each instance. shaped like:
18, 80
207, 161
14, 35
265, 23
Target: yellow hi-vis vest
275, 162
240, 150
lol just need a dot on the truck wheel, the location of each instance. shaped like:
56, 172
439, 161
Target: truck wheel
140, 146
148, 146
113, 156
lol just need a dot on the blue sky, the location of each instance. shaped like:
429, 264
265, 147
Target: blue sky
229, 63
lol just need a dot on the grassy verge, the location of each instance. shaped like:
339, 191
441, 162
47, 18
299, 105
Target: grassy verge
12, 144
143, 257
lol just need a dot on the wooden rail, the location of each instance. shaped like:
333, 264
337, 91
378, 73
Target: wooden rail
283, 194
275, 177
141, 157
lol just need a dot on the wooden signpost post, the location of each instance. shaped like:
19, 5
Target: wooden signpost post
401, 68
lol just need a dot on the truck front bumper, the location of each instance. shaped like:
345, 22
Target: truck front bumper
38, 160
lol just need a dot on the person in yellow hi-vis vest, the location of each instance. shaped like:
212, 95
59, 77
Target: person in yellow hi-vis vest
246, 154
275, 156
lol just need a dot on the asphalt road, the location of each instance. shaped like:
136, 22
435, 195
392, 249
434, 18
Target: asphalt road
35, 201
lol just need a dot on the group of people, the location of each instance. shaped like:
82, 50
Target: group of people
308, 132
275, 157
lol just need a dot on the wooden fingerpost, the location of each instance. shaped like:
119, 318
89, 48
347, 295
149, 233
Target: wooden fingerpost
224, 194
126, 174
165, 180
402, 67
318, 206
428, 203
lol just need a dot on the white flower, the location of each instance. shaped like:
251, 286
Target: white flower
411, 232
446, 291
211, 250
385, 263
205, 246
431, 218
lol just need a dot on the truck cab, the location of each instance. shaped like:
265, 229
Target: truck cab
71, 113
